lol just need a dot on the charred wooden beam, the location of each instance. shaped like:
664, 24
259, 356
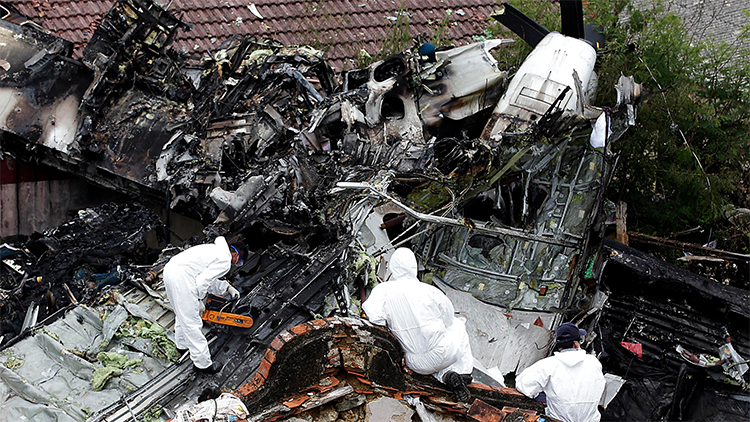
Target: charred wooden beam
689, 247
653, 270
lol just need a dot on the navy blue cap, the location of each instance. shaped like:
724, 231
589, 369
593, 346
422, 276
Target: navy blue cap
569, 332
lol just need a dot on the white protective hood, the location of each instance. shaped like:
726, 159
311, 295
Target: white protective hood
202, 265
422, 319
573, 382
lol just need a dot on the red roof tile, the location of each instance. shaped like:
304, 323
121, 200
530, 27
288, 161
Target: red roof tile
344, 27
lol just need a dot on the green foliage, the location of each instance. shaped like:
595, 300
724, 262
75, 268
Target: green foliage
441, 31
687, 157
680, 166
547, 13
317, 15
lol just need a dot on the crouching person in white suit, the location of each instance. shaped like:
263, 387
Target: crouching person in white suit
421, 317
188, 278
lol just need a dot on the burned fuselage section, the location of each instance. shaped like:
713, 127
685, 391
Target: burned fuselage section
129, 44
496, 181
40, 103
668, 330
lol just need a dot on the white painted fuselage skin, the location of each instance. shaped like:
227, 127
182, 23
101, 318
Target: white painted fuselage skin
555, 64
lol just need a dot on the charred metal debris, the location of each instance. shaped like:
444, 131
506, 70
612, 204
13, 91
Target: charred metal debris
256, 136
496, 181
75, 262
255, 117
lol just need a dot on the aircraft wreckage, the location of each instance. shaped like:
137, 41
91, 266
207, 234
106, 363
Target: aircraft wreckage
496, 181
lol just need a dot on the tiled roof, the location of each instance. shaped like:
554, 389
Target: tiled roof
344, 26
722, 19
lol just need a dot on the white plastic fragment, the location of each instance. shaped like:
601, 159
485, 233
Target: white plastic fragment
600, 132
254, 10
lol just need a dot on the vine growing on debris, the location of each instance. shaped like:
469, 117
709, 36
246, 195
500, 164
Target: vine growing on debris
399, 39
441, 31
317, 16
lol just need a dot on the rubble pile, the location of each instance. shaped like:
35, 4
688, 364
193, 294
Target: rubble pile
265, 141
89, 357
75, 261
495, 180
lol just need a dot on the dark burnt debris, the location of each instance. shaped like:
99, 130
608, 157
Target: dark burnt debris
74, 262
204, 136
663, 308
496, 181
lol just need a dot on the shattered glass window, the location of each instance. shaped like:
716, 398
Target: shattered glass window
554, 197
508, 272
486, 252
497, 291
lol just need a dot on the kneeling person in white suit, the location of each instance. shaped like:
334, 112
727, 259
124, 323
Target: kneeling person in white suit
188, 278
421, 317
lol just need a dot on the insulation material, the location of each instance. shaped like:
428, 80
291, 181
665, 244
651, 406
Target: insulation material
73, 367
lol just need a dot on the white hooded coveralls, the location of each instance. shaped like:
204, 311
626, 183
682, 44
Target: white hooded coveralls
421, 317
188, 277
573, 382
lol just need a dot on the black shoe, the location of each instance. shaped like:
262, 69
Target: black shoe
456, 383
211, 369
466, 378
181, 352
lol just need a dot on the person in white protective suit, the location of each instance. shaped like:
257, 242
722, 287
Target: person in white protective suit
571, 379
188, 278
422, 319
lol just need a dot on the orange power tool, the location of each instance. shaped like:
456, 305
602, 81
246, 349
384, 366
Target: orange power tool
225, 318
214, 314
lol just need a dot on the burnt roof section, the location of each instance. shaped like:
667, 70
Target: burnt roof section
659, 306
344, 26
